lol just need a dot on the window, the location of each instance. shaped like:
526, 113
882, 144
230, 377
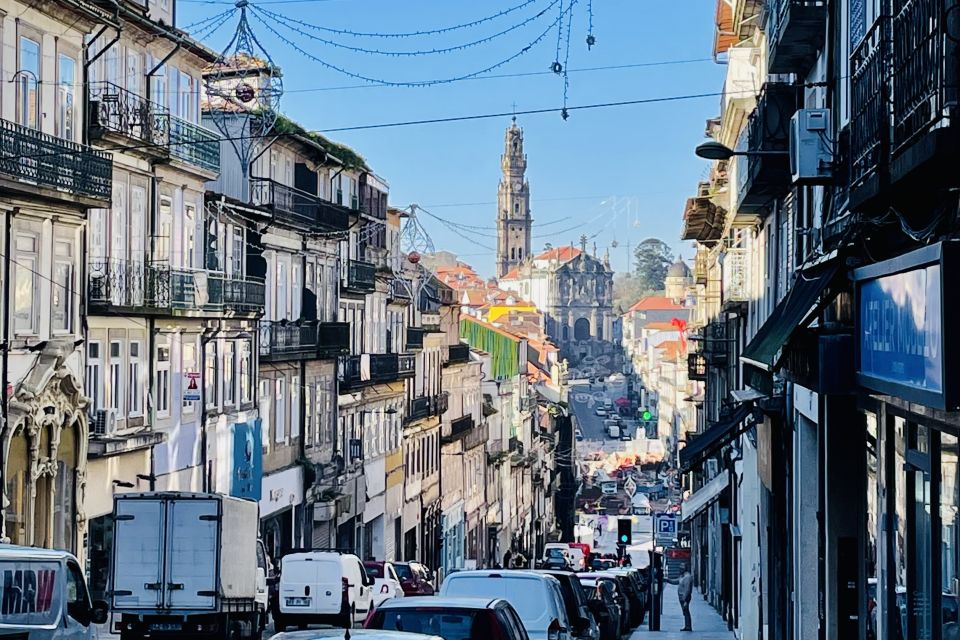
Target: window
310, 435
162, 386
246, 369
229, 375
296, 292
136, 387
62, 289
94, 381
266, 412
188, 360
295, 407
281, 435
134, 72
211, 379
237, 258
189, 235
78, 602
66, 97
116, 376
27, 88
163, 229
282, 310
26, 283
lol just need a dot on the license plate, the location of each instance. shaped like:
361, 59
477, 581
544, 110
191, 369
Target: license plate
165, 626
298, 602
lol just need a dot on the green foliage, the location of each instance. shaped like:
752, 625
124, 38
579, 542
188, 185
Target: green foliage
350, 158
652, 261
627, 289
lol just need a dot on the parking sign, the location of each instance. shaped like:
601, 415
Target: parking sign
665, 528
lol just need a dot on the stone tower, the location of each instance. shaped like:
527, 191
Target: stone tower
513, 204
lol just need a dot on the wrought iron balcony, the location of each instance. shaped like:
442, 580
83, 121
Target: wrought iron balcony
114, 111
283, 340
419, 408
715, 347
39, 161
401, 289
415, 337
376, 368
736, 261
458, 353
333, 339
796, 34
194, 145
925, 78
122, 287
297, 208
361, 276
459, 429
871, 114
703, 221
406, 365
766, 175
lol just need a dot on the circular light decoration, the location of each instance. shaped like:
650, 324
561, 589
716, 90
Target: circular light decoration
591, 41
242, 91
413, 257
556, 67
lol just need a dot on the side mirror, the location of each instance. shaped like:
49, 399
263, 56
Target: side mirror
99, 612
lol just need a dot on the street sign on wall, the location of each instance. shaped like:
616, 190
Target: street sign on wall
630, 487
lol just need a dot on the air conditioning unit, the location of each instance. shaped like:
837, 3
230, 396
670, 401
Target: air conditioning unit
105, 422
811, 147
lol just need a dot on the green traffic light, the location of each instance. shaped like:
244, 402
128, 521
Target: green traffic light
647, 415
623, 538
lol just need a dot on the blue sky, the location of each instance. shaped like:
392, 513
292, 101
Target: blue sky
620, 174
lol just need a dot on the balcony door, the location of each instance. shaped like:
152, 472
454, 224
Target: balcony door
118, 243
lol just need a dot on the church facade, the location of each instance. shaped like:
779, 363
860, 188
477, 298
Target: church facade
573, 289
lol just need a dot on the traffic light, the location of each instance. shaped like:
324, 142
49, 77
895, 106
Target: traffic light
646, 415
624, 531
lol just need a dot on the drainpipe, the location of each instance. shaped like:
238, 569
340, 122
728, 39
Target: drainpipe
6, 358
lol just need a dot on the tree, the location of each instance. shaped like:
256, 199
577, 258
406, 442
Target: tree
653, 260
626, 290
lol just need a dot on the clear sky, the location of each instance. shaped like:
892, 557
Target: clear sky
616, 174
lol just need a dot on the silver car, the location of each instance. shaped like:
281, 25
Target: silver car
360, 634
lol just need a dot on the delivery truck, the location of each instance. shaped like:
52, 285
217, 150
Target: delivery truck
187, 564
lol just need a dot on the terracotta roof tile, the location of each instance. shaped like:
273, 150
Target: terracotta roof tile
563, 254
658, 303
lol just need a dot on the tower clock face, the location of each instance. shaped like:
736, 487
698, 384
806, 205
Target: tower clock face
517, 186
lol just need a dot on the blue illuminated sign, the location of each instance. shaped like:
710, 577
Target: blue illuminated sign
247, 476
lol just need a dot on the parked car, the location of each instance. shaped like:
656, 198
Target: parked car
386, 582
601, 411
625, 433
634, 590
323, 587
450, 618
600, 564
583, 624
67, 614
603, 605
556, 559
536, 597
348, 634
414, 579
623, 602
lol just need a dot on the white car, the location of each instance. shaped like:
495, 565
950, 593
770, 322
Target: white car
386, 582
537, 598
601, 411
323, 587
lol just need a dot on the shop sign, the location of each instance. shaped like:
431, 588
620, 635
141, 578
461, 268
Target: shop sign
191, 386
901, 313
245, 481
281, 490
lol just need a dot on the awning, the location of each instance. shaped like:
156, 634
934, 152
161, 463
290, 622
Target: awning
704, 496
721, 433
792, 312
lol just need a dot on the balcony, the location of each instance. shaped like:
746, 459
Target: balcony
116, 113
42, 164
376, 368
123, 287
415, 337
419, 408
870, 116
477, 436
715, 345
700, 268
459, 429
762, 178
401, 290
925, 76
795, 35
281, 340
297, 208
458, 353
194, 145
361, 276
736, 262
333, 339
702, 220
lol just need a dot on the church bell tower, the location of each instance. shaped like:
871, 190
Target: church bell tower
513, 203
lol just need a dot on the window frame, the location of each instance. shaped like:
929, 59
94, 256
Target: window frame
96, 397
69, 289
162, 377
22, 264
66, 121
115, 365
134, 371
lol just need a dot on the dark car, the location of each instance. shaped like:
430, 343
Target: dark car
450, 618
602, 602
414, 579
620, 594
635, 588
601, 564
582, 621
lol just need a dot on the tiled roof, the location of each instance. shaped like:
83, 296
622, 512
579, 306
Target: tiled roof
659, 303
660, 326
671, 349
563, 254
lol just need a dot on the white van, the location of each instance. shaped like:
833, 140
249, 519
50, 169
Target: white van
537, 597
44, 596
322, 587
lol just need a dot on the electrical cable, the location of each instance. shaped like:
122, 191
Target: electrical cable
285, 20
257, 13
566, 62
199, 24
209, 30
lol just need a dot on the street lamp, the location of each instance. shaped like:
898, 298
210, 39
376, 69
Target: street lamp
713, 150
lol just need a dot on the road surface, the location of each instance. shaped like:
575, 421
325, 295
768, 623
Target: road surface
586, 398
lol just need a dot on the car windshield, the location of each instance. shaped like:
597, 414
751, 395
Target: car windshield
526, 596
374, 570
449, 624
403, 571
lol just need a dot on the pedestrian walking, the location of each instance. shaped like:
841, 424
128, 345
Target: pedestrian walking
684, 593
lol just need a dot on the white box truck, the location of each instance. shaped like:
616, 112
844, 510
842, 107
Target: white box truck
187, 564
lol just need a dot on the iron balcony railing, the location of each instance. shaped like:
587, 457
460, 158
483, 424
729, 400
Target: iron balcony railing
415, 337
458, 353
121, 286
115, 110
194, 145
296, 207
376, 368
459, 429
736, 261
31, 157
361, 276
401, 289
795, 35
765, 174
406, 365
286, 340
925, 67
870, 107
419, 408
333, 339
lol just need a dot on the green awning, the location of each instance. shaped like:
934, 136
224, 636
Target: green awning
795, 310
701, 446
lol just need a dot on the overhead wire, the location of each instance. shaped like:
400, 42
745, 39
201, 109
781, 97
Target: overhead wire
286, 20
211, 29
205, 21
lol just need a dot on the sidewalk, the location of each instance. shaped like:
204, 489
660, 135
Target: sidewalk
707, 623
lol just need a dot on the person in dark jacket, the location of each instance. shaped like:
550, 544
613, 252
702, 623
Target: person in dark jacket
684, 593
